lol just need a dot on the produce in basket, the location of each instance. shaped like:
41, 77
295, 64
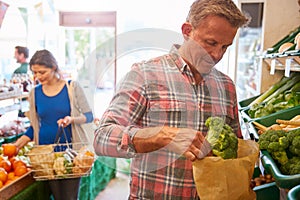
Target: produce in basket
221, 137
60, 161
62, 164
42, 159
83, 161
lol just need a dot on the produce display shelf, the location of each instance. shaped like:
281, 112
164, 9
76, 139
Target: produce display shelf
7, 191
9, 139
285, 115
282, 180
267, 191
244, 104
267, 120
294, 193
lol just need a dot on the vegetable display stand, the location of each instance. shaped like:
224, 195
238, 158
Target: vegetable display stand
294, 193
282, 181
267, 191
267, 120
37, 190
17, 186
244, 104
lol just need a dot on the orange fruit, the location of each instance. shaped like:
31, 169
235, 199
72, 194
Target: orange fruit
13, 159
1, 158
11, 175
18, 163
8, 182
9, 150
20, 170
5, 164
3, 175
1, 184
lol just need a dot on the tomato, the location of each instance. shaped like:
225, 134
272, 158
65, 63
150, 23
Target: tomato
13, 159
18, 163
3, 175
1, 158
8, 182
5, 164
9, 150
20, 170
11, 176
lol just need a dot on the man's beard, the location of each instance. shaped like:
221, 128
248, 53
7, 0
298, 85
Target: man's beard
197, 56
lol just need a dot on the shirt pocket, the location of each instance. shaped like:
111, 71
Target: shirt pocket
166, 112
227, 114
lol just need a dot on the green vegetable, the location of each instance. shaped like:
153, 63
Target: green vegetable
292, 80
283, 98
292, 166
62, 164
275, 142
296, 88
284, 147
294, 139
270, 91
221, 137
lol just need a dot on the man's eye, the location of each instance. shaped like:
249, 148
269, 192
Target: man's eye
211, 43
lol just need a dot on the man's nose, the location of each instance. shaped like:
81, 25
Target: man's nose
217, 54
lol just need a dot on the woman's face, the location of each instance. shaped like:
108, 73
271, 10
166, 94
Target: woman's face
43, 74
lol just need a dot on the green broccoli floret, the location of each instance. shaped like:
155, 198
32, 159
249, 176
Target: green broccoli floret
226, 153
276, 143
283, 142
220, 135
294, 141
280, 156
292, 166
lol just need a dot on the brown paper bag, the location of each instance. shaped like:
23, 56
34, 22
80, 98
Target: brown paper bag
219, 179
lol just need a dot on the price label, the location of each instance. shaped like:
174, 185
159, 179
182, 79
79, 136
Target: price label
287, 71
273, 66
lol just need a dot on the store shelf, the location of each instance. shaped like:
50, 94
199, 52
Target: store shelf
280, 62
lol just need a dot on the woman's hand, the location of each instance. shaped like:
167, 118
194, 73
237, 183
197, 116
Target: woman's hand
67, 120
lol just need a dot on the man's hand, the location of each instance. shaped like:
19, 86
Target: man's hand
183, 141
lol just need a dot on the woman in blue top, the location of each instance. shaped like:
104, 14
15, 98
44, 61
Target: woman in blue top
52, 105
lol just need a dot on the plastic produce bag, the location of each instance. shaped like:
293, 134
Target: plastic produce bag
218, 179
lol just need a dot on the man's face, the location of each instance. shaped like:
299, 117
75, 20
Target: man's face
208, 42
18, 57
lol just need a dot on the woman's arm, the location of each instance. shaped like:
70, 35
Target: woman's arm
22, 141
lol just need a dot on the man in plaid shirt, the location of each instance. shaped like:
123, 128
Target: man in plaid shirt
157, 116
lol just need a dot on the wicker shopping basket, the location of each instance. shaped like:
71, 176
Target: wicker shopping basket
61, 161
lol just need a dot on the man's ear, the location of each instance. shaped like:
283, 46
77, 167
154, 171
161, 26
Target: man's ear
186, 29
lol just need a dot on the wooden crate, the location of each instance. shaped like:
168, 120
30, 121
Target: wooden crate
17, 186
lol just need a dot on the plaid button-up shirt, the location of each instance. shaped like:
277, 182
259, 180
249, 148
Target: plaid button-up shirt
162, 92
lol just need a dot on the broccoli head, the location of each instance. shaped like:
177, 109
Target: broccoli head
280, 156
294, 142
292, 166
221, 137
226, 153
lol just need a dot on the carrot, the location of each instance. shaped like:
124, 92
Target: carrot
289, 122
260, 126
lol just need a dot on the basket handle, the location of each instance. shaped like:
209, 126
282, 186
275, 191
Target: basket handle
61, 131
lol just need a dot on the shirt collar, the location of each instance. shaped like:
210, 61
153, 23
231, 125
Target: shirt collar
180, 63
